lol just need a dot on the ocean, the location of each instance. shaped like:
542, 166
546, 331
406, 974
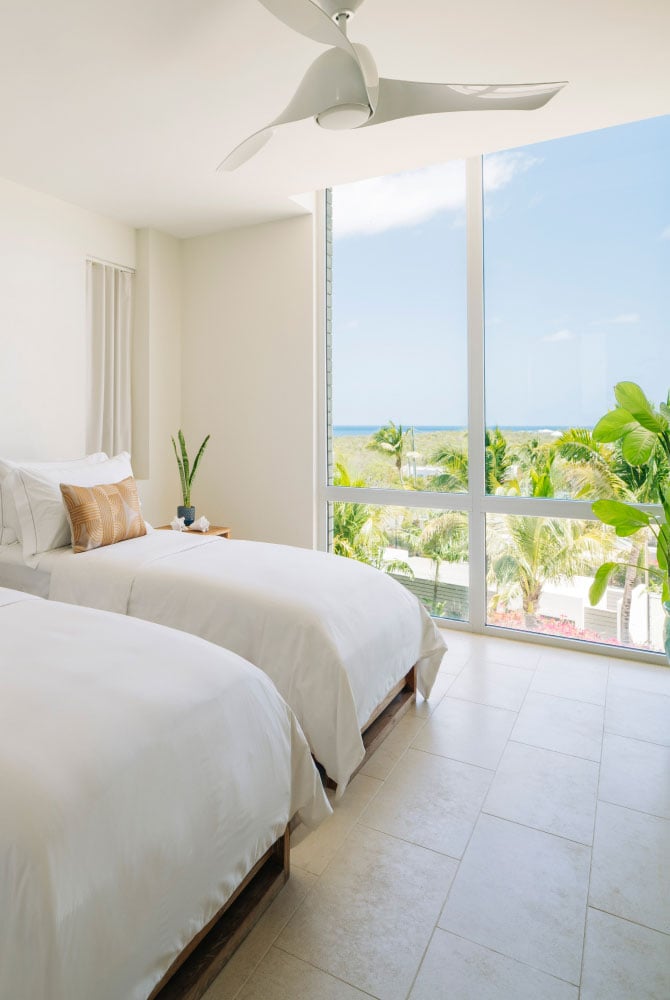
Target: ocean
365, 430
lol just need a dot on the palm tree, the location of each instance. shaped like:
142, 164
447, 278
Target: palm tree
599, 471
391, 440
535, 474
454, 475
527, 552
498, 460
454, 462
358, 530
444, 539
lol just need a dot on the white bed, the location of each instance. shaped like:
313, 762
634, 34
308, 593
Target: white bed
143, 773
333, 634
15, 575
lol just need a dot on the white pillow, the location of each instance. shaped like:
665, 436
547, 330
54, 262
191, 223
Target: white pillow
10, 528
39, 504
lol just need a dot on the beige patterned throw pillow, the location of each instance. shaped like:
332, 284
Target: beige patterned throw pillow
103, 515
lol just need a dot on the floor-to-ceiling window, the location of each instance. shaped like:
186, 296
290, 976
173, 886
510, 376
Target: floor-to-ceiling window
478, 315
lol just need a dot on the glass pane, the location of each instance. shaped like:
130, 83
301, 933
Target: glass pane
425, 550
540, 570
577, 296
398, 328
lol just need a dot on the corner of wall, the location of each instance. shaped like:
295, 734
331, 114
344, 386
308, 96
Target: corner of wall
157, 381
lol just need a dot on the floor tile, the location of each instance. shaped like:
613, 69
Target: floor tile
313, 850
623, 961
466, 731
385, 758
546, 790
642, 715
512, 925
458, 969
372, 913
635, 774
457, 655
495, 684
576, 676
508, 651
254, 947
572, 727
431, 801
423, 708
630, 873
641, 677
281, 976
523, 893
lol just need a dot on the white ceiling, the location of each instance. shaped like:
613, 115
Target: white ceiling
127, 107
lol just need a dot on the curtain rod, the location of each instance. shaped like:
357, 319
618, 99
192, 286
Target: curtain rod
110, 263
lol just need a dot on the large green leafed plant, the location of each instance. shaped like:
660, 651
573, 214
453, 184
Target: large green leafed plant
644, 433
186, 470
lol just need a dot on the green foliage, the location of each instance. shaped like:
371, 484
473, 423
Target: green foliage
643, 433
186, 472
358, 529
527, 552
391, 440
635, 422
624, 461
626, 521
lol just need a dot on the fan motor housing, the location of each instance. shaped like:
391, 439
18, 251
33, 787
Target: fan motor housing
343, 116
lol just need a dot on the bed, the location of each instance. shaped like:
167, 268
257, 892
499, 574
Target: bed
341, 640
145, 777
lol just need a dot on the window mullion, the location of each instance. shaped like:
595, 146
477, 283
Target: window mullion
476, 414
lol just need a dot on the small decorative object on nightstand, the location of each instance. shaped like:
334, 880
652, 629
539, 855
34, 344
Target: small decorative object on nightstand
214, 529
186, 476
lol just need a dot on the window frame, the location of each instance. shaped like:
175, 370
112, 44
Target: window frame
476, 502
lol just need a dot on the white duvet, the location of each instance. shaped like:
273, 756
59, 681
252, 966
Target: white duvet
333, 634
142, 775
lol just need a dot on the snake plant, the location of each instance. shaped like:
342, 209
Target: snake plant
186, 471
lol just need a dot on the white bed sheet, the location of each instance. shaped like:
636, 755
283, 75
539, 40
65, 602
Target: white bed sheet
142, 775
15, 575
333, 634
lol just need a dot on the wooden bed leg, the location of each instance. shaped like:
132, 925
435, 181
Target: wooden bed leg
282, 850
410, 680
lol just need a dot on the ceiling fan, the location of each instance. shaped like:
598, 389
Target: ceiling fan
342, 89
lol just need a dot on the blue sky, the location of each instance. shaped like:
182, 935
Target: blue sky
577, 287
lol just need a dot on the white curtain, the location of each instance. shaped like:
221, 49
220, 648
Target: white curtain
109, 325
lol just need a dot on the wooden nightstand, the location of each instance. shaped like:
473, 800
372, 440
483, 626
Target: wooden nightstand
214, 529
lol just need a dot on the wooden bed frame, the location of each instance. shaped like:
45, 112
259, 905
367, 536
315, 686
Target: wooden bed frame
385, 718
195, 969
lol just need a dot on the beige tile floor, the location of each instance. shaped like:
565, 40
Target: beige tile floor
509, 841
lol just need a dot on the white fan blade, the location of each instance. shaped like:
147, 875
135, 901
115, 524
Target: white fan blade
309, 19
404, 99
332, 80
247, 149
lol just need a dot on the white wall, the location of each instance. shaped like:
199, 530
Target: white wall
43, 247
248, 378
157, 372
223, 323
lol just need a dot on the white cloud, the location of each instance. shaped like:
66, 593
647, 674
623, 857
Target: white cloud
665, 235
558, 337
408, 199
500, 169
625, 319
